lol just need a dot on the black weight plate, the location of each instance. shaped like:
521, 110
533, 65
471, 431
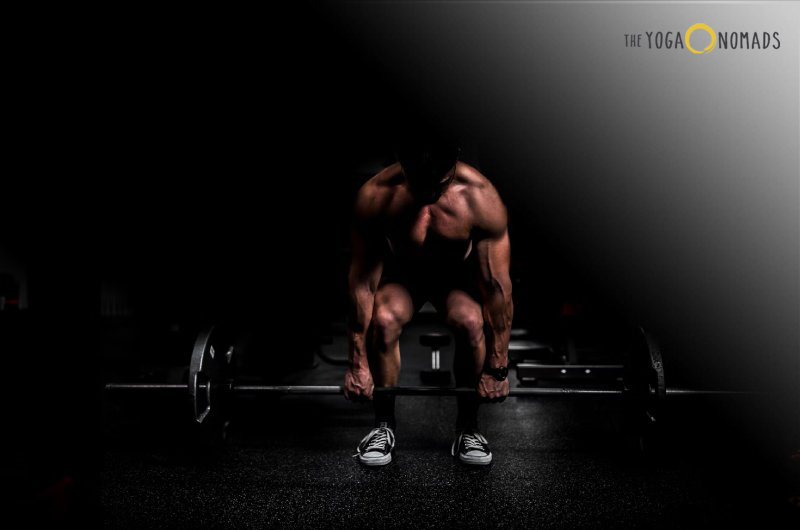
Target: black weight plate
644, 389
209, 372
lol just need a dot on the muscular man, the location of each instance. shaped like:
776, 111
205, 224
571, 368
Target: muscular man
429, 227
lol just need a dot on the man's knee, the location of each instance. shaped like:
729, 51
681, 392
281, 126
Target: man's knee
467, 325
388, 325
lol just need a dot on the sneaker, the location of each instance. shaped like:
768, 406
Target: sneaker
375, 449
471, 448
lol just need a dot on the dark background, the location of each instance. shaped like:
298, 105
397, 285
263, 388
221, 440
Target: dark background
192, 167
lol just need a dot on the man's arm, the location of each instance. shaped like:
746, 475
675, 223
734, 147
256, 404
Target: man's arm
363, 277
494, 257
365, 272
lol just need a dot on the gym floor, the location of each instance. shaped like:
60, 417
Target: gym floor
558, 463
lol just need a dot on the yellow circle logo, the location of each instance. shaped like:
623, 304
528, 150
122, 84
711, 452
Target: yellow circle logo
710, 32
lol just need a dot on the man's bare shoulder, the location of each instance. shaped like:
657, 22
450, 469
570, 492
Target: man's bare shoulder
489, 212
376, 195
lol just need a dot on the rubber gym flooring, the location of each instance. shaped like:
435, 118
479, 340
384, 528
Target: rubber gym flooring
558, 463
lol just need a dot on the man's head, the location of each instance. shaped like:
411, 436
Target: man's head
429, 165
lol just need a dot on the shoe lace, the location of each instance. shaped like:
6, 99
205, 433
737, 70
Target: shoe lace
378, 438
472, 442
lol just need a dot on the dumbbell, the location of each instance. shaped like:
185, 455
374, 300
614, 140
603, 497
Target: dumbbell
435, 376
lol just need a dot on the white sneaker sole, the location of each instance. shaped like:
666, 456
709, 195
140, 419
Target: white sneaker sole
476, 460
376, 461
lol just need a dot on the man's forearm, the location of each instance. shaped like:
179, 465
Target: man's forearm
498, 312
362, 298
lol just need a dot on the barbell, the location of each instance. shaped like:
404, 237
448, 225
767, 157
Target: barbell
211, 383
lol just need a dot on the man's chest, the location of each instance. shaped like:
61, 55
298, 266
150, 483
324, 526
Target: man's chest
430, 233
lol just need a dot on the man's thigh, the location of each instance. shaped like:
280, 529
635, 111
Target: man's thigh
463, 314
461, 311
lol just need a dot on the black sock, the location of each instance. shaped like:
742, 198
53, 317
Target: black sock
384, 409
467, 418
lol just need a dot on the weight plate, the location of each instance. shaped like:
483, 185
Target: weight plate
656, 386
644, 389
209, 372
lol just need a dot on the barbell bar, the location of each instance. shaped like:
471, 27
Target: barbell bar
339, 390
406, 390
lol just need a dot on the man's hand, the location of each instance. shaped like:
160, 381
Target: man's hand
358, 385
492, 390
